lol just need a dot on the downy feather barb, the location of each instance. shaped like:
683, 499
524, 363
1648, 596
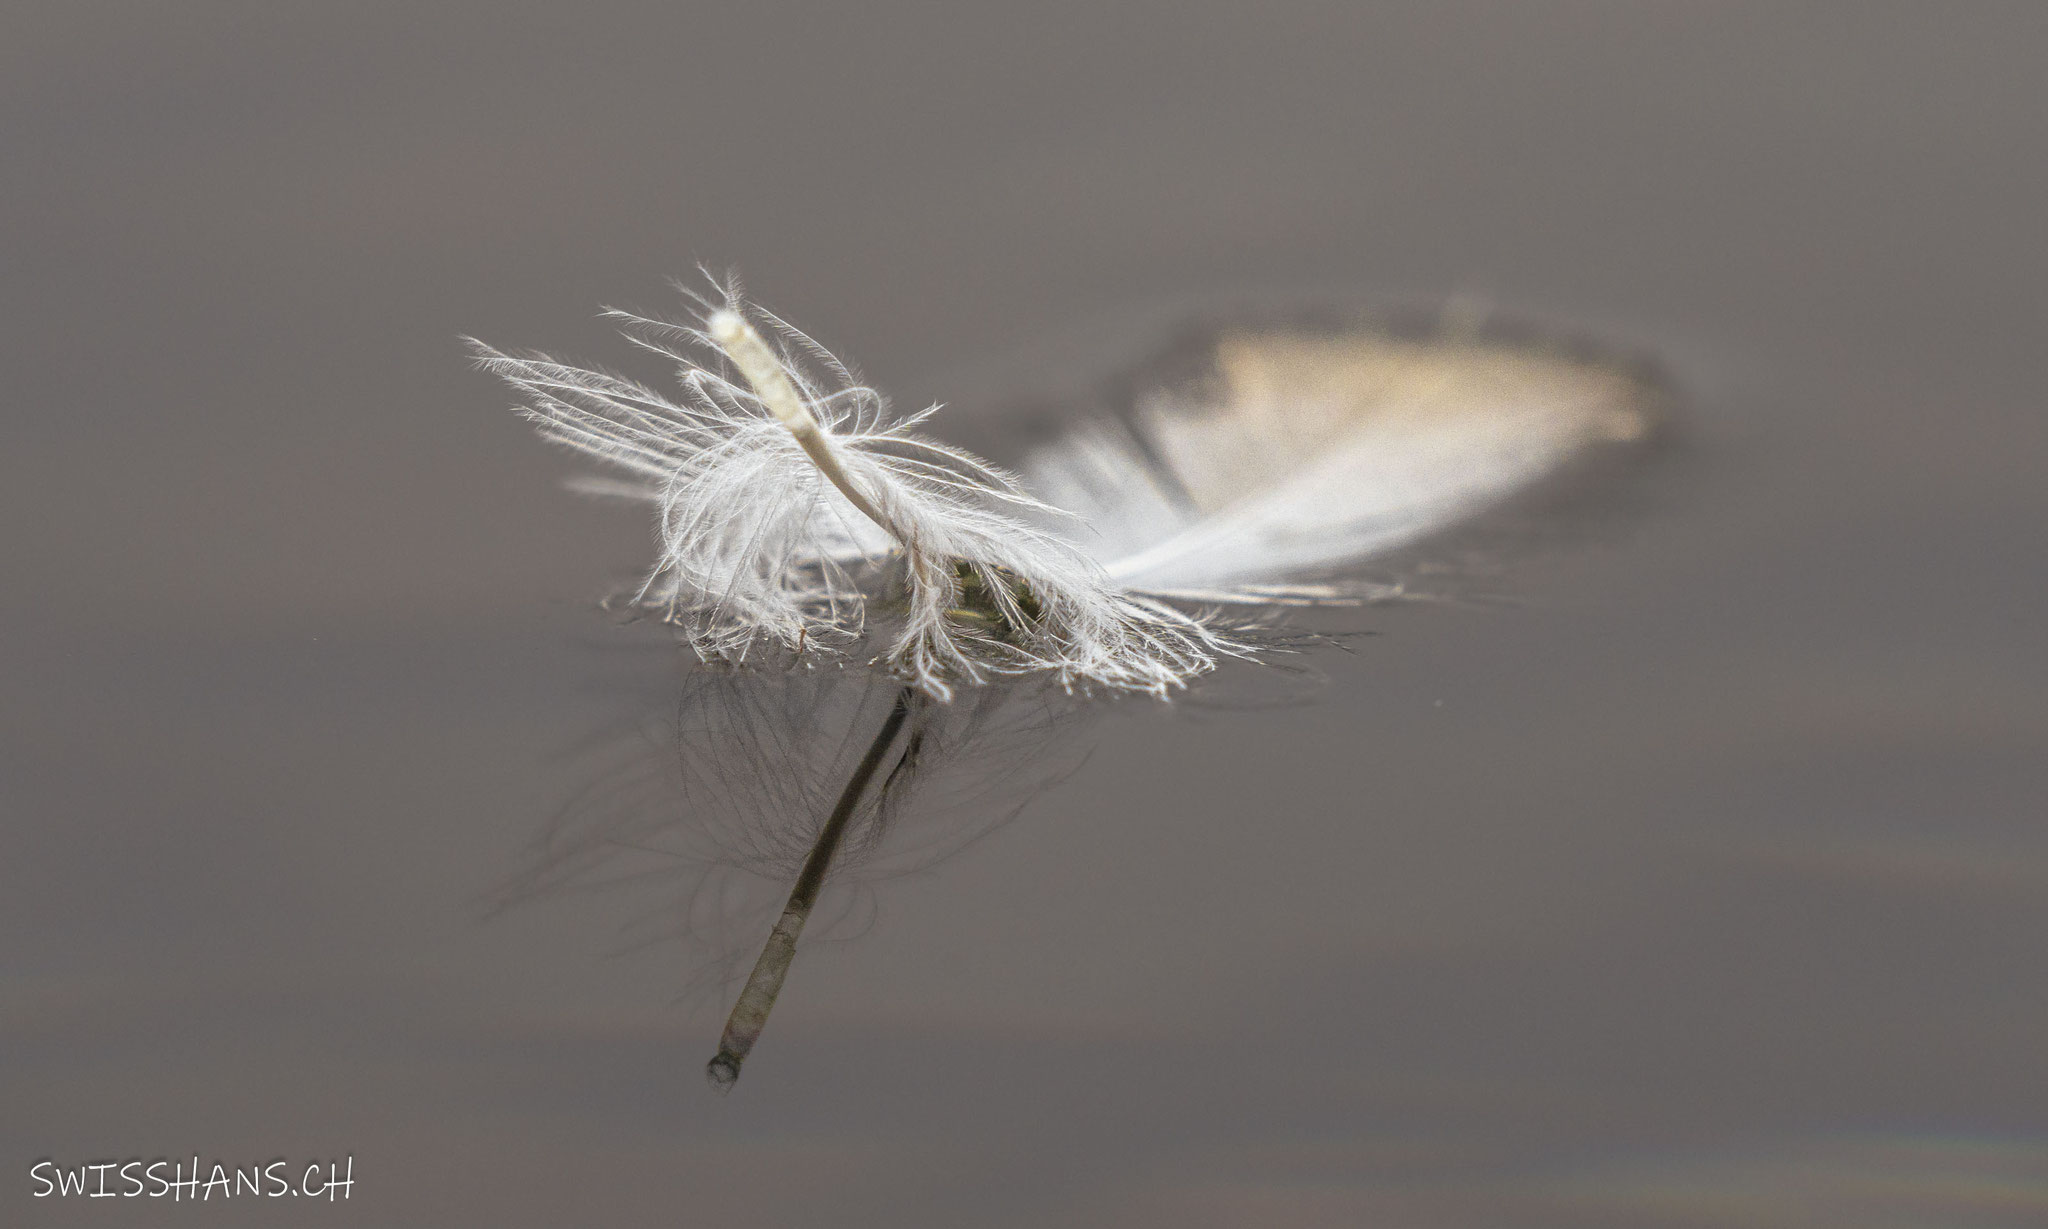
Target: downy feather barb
795, 510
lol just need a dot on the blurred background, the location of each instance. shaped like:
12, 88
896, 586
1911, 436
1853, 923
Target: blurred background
1707, 885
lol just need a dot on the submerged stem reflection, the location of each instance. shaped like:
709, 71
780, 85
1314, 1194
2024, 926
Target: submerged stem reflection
774, 801
757, 998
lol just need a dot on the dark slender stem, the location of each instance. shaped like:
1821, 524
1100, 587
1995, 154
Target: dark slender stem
757, 997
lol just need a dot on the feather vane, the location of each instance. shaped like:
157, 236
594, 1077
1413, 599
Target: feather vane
1300, 455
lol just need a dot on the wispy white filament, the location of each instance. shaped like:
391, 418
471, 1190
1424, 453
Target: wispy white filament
796, 510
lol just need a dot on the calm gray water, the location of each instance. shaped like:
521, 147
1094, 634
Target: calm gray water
1706, 884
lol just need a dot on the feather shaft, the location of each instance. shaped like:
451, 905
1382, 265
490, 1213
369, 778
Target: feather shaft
750, 353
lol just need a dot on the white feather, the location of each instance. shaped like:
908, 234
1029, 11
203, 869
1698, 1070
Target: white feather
793, 506
1302, 454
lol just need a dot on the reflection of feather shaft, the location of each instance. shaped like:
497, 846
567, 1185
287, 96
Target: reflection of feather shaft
757, 997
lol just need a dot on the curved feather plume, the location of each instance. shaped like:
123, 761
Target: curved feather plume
1298, 454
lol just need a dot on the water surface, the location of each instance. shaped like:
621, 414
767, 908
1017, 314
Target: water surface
1705, 884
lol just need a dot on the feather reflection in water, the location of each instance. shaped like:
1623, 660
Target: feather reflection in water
795, 782
757, 998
